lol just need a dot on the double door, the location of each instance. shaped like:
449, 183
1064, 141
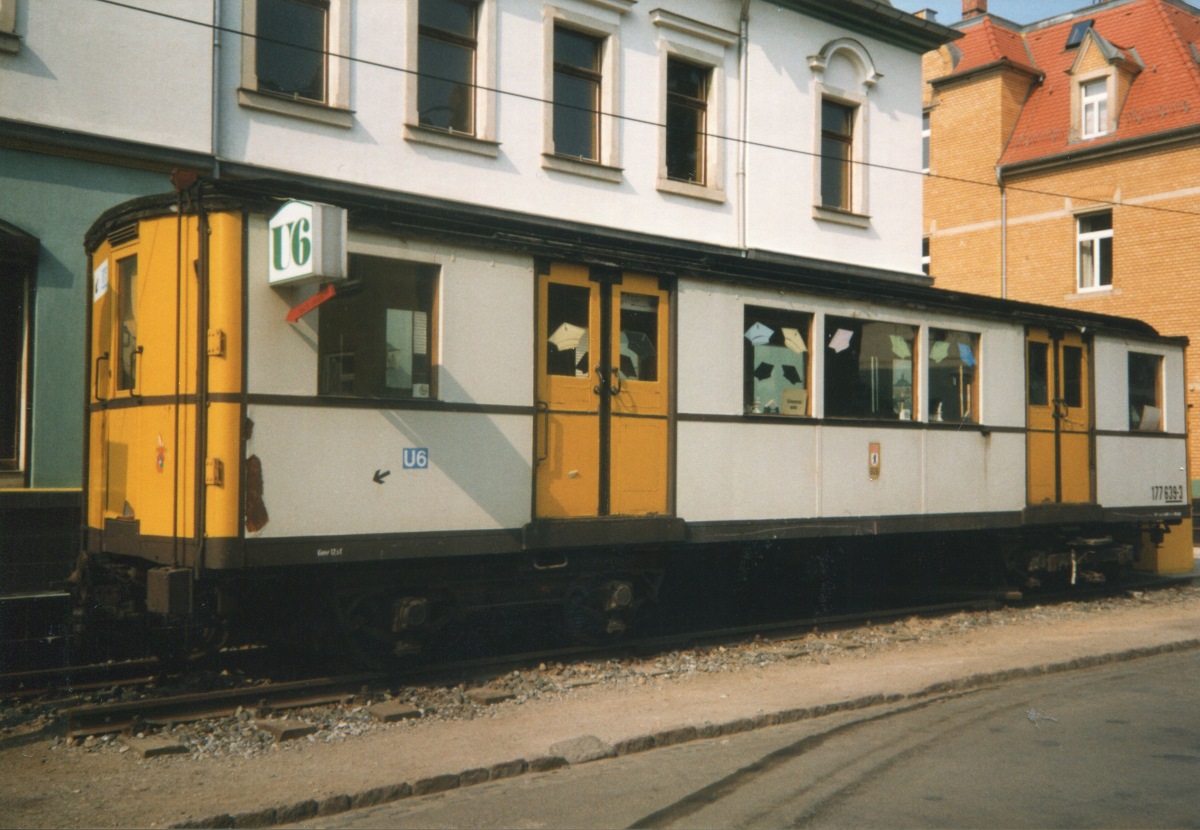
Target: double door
1059, 417
603, 372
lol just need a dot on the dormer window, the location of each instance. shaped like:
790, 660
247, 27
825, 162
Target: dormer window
1093, 108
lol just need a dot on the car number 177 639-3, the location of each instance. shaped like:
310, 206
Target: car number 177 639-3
1169, 493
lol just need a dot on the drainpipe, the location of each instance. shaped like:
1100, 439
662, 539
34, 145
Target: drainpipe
743, 119
215, 141
1003, 235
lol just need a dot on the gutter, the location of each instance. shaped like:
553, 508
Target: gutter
1109, 148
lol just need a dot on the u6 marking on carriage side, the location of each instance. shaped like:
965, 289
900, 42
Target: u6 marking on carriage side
416, 458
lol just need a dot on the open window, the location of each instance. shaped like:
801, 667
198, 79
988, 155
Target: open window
869, 369
376, 337
775, 352
1145, 392
953, 370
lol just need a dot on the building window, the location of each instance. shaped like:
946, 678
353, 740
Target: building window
577, 82
868, 369
926, 135
1093, 108
1095, 245
1145, 392
687, 120
837, 154
377, 340
926, 259
292, 48
14, 354
775, 361
1037, 373
953, 366
447, 48
295, 59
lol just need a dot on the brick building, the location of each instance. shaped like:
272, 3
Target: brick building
1064, 162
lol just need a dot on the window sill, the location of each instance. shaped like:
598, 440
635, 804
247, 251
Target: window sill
578, 167
461, 142
841, 217
1088, 293
294, 108
692, 190
10, 43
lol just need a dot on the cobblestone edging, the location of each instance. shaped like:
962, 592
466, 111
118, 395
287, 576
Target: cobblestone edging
589, 748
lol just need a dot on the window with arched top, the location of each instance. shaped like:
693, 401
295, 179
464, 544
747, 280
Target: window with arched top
843, 76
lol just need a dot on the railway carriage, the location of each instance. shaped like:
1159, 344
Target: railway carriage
379, 410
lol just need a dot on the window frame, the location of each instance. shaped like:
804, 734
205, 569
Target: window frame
926, 140
482, 141
831, 323
604, 24
1098, 260
777, 318
593, 79
930, 377
334, 111
467, 42
853, 93
426, 280
1158, 394
706, 46
841, 165
1094, 104
696, 124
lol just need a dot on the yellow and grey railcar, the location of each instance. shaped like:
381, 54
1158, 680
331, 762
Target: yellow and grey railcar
380, 408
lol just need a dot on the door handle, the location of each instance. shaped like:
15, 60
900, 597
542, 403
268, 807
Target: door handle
133, 361
603, 380
96, 377
615, 390
543, 408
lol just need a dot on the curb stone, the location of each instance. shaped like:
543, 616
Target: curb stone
336, 804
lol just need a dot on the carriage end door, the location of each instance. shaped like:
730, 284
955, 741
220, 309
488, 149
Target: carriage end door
1059, 418
602, 426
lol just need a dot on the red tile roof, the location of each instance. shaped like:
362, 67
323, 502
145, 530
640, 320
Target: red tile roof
1164, 35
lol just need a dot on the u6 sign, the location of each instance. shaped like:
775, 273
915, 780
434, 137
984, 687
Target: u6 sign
306, 243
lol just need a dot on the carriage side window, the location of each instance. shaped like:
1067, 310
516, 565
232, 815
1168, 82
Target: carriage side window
1038, 373
127, 348
775, 362
376, 336
868, 369
1145, 392
953, 366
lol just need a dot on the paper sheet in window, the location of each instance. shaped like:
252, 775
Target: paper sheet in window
567, 336
794, 340
776, 370
759, 334
841, 340
968, 356
900, 346
939, 351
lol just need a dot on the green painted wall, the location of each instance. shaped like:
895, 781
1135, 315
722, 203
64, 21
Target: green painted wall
56, 200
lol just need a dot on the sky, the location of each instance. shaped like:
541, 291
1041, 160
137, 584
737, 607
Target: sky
1018, 11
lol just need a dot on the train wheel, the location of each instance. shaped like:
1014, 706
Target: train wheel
597, 611
363, 623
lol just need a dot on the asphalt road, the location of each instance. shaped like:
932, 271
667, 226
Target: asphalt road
1117, 746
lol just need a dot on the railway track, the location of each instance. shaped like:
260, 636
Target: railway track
80, 719
125, 716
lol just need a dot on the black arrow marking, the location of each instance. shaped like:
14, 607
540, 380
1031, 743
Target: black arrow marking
380, 476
